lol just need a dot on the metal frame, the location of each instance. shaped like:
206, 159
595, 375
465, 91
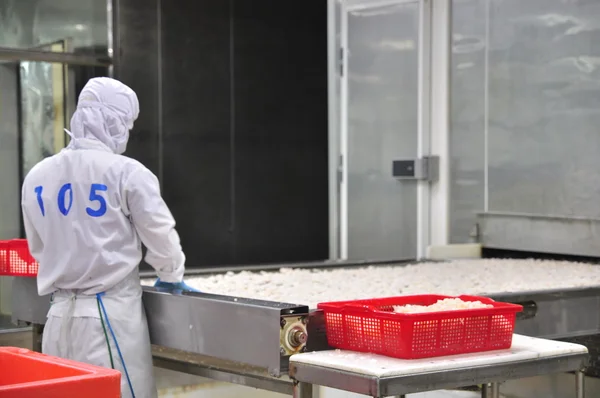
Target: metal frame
576, 236
486, 111
343, 134
159, 68
441, 55
110, 24
338, 158
19, 99
18, 55
220, 370
578, 307
333, 83
352, 5
424, 133
115, 43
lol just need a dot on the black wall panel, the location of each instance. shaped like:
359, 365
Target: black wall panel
237, 117
136, 64
197, 126
280, 77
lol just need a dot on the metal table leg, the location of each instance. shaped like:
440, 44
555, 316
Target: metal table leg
37, 331
495, 390
579, 384
486, 391
303, 390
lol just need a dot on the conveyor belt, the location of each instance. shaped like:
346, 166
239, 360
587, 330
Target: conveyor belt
313, 285
248, 332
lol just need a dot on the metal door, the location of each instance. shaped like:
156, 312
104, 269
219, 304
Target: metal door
384, 65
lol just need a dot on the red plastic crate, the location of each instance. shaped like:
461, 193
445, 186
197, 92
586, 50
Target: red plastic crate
28, 374
16, 260
372, 326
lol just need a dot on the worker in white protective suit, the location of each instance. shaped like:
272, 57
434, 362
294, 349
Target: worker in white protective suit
86, 211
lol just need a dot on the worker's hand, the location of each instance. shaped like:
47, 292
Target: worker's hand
177, 287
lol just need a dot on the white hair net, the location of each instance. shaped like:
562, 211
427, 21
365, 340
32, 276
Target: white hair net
105, 112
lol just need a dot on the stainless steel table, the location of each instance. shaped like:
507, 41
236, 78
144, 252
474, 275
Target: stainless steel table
378, 376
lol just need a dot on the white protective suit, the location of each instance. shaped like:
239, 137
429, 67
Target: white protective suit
86, 211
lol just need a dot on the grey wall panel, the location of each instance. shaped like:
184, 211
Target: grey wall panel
544, 96
535, 64
467, 135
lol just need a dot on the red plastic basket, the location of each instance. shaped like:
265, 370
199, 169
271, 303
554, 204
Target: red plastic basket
16, 260
372, 326
28, 374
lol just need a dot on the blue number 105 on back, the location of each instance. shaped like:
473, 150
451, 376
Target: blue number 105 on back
65, 199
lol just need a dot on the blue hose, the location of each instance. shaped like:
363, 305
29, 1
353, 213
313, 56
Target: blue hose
99, 297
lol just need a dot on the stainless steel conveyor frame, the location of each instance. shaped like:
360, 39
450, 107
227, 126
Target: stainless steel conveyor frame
225, 365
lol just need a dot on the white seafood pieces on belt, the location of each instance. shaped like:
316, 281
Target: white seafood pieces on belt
454, 278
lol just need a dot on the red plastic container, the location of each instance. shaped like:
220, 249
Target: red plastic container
28, 374
372, 326
16, 260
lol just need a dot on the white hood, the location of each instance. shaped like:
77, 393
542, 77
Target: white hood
105, 112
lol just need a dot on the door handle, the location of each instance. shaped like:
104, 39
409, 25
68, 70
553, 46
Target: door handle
422, 169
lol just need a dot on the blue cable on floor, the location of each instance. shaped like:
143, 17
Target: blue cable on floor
99, 297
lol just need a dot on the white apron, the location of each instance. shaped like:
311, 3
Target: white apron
74, 331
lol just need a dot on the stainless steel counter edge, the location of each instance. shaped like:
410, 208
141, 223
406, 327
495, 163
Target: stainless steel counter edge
392, 386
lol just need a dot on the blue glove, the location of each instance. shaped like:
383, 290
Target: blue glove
174, 287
